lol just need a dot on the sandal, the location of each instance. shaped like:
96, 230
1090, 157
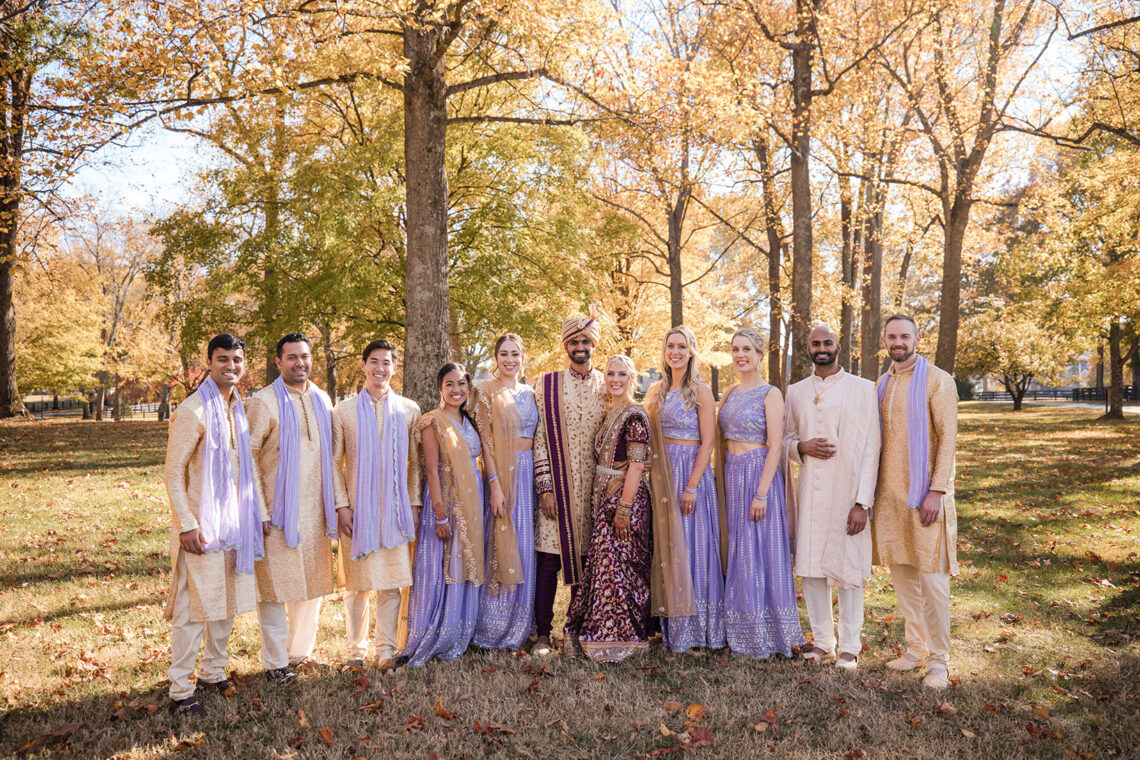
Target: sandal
817, 655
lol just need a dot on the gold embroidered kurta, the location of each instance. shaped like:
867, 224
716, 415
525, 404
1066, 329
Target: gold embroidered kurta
843, 409
583, 406
217, 590
385, 568
897, 533
305, 571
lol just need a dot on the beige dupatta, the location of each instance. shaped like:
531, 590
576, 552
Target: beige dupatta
497, 420
460, 486
718, 468
671, 581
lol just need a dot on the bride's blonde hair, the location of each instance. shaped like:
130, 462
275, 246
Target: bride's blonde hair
626, 362
692, 377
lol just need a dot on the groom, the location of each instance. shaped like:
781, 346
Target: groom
571, 405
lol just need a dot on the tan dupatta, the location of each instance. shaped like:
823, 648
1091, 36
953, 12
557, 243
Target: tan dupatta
718, 468
671, 580
497, 420
460, 486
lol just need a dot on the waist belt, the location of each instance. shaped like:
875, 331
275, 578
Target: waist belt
609, 471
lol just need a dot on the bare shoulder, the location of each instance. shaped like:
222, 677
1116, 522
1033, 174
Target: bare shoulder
704, 393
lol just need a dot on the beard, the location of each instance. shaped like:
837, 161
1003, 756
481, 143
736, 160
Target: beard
900, 353
823, 358
581, 355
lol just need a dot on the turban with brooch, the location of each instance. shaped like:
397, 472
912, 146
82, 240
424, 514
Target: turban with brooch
580, 326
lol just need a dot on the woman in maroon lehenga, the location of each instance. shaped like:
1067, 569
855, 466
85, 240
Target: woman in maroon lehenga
609, 618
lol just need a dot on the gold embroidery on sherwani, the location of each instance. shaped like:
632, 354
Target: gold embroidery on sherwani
305, 571
217, 590
384, 568
583, 406
898, 536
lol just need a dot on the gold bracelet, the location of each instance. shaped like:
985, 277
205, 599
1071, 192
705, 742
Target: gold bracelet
624, 510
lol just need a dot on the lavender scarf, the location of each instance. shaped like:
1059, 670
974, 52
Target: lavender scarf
917, 432
286, 491
383, 511
227, 514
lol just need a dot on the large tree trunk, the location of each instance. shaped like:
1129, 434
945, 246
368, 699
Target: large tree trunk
425, 279
11, 404
164, 403
330, 359
772, 230
957, 218
101, 401
802, 244
16, 86
117, 403
1115, 373
871, 318
1099, 368
847, 263
271, 282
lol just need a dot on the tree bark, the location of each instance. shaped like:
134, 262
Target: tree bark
16, 86
425, 278
117, 403
676, 226
847, 263
101, 401
774, 232
957, 217
802, 243
871, 315
1100, 368
1115, 373
164, 403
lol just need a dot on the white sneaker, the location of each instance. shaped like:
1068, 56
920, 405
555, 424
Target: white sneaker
843, 664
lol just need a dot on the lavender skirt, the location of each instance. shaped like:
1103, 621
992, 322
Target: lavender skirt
760, 613
505, 621
702, 541
441, 616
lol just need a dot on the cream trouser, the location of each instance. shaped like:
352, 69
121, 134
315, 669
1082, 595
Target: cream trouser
924, 601
185, 638
387, 623
292, 641
817, 596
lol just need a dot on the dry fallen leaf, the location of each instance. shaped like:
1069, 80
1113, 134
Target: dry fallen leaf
599, 676
1041, 712
442, 711
665, 731
914, 720
327, 734
696, 712
701, 737
854, 754
673, 706
761, 726
947, 708
967, 733
302, 721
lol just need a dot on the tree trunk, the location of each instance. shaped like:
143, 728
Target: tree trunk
772, 229
1115, 373
271, 279
714, 382
1135, 352
330, 360
425, 279
55, 401
847, 262
117, 403
164, 403
950, 302
802, 244
871, 317
101, 401
1099, 369
676, 225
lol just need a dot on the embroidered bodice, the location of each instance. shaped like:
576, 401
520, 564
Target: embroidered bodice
528, 410
678, 421
471, 436
742, 416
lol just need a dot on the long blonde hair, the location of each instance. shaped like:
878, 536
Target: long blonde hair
692, 378
631, 368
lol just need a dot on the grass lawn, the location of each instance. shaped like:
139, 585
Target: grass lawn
1046, 658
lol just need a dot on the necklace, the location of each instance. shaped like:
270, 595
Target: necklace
826, 388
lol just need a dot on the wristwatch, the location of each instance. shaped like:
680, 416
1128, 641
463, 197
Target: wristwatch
863, 507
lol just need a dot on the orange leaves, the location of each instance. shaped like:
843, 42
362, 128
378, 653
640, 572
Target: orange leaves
672, 706
696, 712
326, 735
302, 719
442, 711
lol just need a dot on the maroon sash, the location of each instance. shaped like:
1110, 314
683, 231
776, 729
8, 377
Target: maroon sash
560, 477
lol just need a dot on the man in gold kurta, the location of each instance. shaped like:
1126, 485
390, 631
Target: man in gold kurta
571, 405
292, 580
916, 537
207, 591
831, 431
385, 570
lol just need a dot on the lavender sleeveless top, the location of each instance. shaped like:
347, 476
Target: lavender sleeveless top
528, 411
742, 416
677, 421
471, 437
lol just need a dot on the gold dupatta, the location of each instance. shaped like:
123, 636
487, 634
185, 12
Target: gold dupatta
671, 580
497, 420
718, 468
460, 488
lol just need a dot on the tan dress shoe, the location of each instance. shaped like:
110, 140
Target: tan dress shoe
936, 678
906, 662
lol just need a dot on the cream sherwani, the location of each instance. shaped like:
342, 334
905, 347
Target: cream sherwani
207, 591
385, 570
921, 559
290, 581
842, 409
583, 406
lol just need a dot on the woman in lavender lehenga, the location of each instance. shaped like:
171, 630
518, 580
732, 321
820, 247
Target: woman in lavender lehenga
506, 416
760, 611
449, 565
682, 414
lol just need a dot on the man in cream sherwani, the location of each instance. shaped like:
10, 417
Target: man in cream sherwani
832, 433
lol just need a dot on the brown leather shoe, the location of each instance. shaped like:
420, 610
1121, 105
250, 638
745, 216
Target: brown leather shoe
387, 665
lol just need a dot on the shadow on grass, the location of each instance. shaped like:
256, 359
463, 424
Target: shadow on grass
500, 705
